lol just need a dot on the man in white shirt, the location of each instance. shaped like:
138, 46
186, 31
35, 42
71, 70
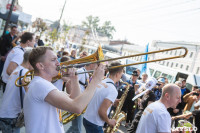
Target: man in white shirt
99, 107
155, 118
11, 101
15, 56
43, 101
83, 81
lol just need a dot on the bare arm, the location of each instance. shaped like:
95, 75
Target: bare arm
74, 90
11, 67
77, 105
185, 116
103, 112
186, 97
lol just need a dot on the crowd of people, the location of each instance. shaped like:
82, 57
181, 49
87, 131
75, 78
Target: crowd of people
160, 109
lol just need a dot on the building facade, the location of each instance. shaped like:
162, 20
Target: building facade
190, 63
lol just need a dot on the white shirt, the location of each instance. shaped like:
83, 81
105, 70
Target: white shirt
106, 91
40, 116
58, 84
155, 118
11, 102
15, 55
83, 77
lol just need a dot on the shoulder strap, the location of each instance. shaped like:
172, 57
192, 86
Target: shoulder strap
20, 82
63, 88
82, 83
111, 83
21, 49
86, 83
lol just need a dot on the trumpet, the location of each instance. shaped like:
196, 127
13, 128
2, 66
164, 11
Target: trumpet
97, 57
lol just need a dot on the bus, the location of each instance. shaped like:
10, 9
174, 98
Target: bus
173, 75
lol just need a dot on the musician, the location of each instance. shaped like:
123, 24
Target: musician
99, 107
83, 81
43, 100
15, 56
11, 102
158, 89
155, 117
128, 104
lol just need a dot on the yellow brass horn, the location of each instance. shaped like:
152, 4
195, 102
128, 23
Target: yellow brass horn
70, 116
26, 80
98, 55
153, 52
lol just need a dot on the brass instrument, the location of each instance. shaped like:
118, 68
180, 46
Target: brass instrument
118, 115
70, 116
98, 55
26, 80
137, 63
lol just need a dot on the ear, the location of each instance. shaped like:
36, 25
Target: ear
167, 96
40, 66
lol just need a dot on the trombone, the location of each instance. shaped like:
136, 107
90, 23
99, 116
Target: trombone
153, 52
97, 58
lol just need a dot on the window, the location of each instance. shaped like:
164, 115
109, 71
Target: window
175, 52
163, 62
170, 78
157, 74
164, 75
181, 66
180, 52
151, 71
167, 63
171, 53
191, 54
172, 64
176, 64
187, 67
197, 70
166, 52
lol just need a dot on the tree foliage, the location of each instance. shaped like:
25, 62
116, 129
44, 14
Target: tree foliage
53, 35
40, 25
107, 29
65, 30
92, 23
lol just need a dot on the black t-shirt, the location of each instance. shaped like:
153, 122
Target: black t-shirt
5, 44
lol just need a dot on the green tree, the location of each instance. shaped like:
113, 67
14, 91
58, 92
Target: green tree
107, 29
65, 29
40, 25
53, 35
91, 22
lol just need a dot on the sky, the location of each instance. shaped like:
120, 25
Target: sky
138, 21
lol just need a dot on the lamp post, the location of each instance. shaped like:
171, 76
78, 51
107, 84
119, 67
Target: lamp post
9, 16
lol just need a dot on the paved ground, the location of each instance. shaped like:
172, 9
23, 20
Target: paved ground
122, 129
